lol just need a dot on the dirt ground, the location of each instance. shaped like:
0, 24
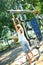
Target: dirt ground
17, 57
40, 61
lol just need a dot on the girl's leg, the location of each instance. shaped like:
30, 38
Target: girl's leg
28, 57
32, 55
29, 49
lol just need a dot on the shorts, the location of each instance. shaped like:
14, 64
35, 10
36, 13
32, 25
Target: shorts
25, 46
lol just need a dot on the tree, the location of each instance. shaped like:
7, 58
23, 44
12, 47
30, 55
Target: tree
13, 4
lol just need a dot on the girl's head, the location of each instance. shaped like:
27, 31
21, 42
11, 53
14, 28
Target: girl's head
20, 28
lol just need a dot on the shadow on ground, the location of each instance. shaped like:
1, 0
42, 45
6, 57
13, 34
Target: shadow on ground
7, 57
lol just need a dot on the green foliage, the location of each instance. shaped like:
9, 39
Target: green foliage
5, 17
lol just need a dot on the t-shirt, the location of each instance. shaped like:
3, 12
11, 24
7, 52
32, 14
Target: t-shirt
21, 36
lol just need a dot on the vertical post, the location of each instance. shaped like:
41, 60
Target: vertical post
26, 35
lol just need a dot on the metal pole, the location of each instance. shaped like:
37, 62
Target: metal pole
21, 11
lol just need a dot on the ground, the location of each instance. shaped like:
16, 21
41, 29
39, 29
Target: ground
17, 57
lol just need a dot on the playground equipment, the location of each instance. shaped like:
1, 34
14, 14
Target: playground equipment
21, 11
36, 28
25, 19
33, 22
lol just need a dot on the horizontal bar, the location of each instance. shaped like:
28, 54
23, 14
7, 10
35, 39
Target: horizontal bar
21, 11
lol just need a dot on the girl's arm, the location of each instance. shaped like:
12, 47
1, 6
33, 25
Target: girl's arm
18, 20
15, 25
